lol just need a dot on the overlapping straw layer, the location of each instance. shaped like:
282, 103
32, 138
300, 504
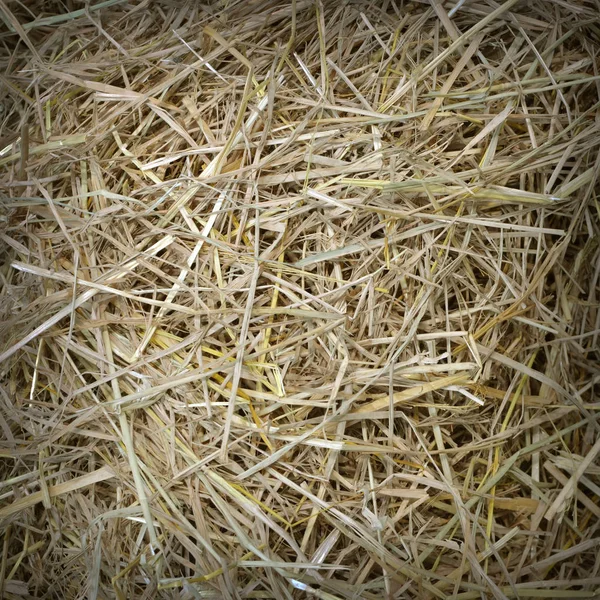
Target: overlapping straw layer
300, 299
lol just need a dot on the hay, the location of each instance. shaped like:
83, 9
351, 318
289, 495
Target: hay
300, 299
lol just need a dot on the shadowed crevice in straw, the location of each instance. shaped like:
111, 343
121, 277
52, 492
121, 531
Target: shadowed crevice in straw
299, 299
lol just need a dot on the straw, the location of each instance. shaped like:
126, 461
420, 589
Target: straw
299, 299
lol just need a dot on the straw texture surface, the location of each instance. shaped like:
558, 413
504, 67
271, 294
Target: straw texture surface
299, 299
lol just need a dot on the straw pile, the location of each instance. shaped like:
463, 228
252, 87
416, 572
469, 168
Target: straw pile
300, 299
